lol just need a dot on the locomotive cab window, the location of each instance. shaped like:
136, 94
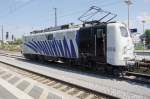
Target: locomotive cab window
124, 31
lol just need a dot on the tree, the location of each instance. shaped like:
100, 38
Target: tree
147, 33
18, 41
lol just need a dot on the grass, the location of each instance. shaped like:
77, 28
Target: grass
142, 70
139, 47
11, 47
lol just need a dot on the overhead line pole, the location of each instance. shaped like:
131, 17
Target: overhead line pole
55, 16
144, 41
2, 35
143, 21
128, 2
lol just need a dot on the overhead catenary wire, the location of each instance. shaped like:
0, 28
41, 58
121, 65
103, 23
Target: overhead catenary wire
17, 8
104, 5
96, 1
79, 12
112, 3
103, 2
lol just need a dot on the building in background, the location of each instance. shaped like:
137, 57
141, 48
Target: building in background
136, 37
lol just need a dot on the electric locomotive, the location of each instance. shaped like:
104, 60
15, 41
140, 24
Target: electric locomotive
96, 44
105, 43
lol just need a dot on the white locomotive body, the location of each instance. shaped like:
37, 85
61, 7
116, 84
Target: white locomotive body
105, 43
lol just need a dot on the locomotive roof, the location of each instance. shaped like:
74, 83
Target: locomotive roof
97, 25
52, 32
74, 29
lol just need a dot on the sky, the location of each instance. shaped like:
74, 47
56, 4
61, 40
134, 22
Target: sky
19, 17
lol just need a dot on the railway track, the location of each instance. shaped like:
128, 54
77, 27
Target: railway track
58, 84
130, 76
70, 89
138, 77
11, 55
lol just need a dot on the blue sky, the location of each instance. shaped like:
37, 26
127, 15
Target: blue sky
22, 16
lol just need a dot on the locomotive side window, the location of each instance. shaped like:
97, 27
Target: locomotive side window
85, 34
124, 31
59, 36
49, 36
86, 40
70, 34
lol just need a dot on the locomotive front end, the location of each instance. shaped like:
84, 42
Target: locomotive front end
120, 47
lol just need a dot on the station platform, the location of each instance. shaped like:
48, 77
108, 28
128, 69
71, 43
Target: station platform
114, 87
16, 86
7, 91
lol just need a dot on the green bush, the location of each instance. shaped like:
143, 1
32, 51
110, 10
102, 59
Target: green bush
139, 46
10, 47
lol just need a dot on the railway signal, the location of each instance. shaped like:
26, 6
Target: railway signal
7, 35
12, 37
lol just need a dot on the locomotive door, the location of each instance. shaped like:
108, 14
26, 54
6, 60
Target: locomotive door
99, 43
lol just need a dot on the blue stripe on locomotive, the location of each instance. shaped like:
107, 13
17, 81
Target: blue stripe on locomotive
55, 48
